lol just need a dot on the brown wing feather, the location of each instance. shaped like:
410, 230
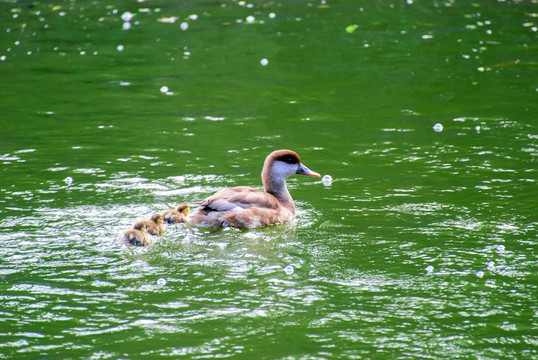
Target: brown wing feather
242, 196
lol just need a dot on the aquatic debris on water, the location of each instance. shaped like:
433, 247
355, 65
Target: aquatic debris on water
351, 28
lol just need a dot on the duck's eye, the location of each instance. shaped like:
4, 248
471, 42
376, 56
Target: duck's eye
288, 159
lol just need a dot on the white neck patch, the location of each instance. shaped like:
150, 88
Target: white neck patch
281, 170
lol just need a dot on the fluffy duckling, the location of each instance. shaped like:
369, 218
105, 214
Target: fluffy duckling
137, 236
154, 225
178, 215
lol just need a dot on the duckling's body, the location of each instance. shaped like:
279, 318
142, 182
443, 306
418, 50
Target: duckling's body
245, 207
177, 215
137, 236
154, 225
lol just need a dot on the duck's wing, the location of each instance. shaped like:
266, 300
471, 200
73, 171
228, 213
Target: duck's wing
239, 198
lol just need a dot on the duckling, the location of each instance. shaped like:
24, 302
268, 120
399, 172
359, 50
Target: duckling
154, 225
137, 236
177, 215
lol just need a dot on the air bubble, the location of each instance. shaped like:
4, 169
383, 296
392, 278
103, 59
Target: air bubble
68, 180
127, 16
327, 180
289, 269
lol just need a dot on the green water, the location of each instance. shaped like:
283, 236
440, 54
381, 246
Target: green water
424, 246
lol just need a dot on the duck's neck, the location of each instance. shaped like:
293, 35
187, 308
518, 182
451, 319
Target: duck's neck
276, 186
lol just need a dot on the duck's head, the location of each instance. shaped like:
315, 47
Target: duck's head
157, 218
279, 165
184, 209
282, 163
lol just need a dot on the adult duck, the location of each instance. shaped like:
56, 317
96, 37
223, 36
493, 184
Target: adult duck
245, 207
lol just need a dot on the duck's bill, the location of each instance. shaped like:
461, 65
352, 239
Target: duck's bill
303, 170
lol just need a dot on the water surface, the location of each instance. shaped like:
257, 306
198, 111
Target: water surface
424, 246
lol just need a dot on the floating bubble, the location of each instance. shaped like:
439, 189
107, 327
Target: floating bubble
127, 16
250, 19
184, 26
437, 127
288, 269
429, 269
500, 248
126, 25
161, 281
3, 57
68, 180
477, 128
164, 89
264, 62
491, 265
193, 17
120, 47
272, 15
480, 274
327, 180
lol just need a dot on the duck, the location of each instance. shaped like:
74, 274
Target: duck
137, 236
177, 215
154, 225
246, 207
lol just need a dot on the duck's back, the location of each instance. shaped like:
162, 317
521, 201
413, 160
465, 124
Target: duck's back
240, 206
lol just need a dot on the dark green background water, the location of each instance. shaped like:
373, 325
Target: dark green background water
423, 247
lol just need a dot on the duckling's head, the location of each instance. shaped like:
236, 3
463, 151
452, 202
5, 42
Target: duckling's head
184, 209
140, 226
157, 218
